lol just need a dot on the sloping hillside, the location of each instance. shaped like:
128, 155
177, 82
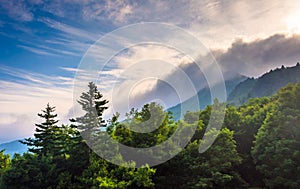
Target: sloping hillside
266, 85
204, 97
13, 147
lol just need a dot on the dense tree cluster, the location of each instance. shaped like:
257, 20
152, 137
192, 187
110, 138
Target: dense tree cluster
258, 147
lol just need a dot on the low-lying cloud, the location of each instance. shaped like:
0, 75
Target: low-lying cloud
256, 57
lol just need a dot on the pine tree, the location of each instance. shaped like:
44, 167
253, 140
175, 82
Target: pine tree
44, 139
88, 125
93, 106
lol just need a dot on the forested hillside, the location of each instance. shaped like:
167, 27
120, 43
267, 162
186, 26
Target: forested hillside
203, 96
266, 85
258, 147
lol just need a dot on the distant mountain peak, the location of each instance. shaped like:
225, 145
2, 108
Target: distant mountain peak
204, 96
265, 85
13, 147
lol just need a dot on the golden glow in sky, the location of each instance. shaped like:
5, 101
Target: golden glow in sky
293, 23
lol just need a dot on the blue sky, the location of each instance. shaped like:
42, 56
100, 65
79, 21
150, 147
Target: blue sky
43, 42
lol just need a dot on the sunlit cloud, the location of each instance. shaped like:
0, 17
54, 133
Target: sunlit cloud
23, 98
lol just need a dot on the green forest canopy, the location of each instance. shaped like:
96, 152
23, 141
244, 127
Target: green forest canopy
258, 146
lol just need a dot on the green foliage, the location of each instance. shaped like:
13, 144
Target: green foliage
103, 174
212, 169
93, 106
250, 117
4, 161
258, 147
152, 117
45, 133
4, 164
54, 160
100, 173
242, 91
277, 145
87, 126
28, 171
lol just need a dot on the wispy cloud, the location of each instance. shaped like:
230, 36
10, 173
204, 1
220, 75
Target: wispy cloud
37, 50
54, 51
72, 26
70, 30
65, 44
34, 78
73, 70
66, 41
216, 22
17, 10
115, 11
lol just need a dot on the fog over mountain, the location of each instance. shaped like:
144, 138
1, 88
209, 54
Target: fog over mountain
248, 59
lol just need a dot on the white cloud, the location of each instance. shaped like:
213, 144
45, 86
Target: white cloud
74, 70
17, 10
133, 72
216, 22
70, 30
68, 44
34, 78
23, 98
261, 55
58, 51
141, 53
37, 50
115, 11
68, 40
16, 126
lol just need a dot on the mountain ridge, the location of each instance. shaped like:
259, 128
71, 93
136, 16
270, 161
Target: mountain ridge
203, 96
241, 88
13, 147
265, 85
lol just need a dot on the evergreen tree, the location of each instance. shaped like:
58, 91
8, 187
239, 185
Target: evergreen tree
89, 125
93, 106
44, 137
101, 173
